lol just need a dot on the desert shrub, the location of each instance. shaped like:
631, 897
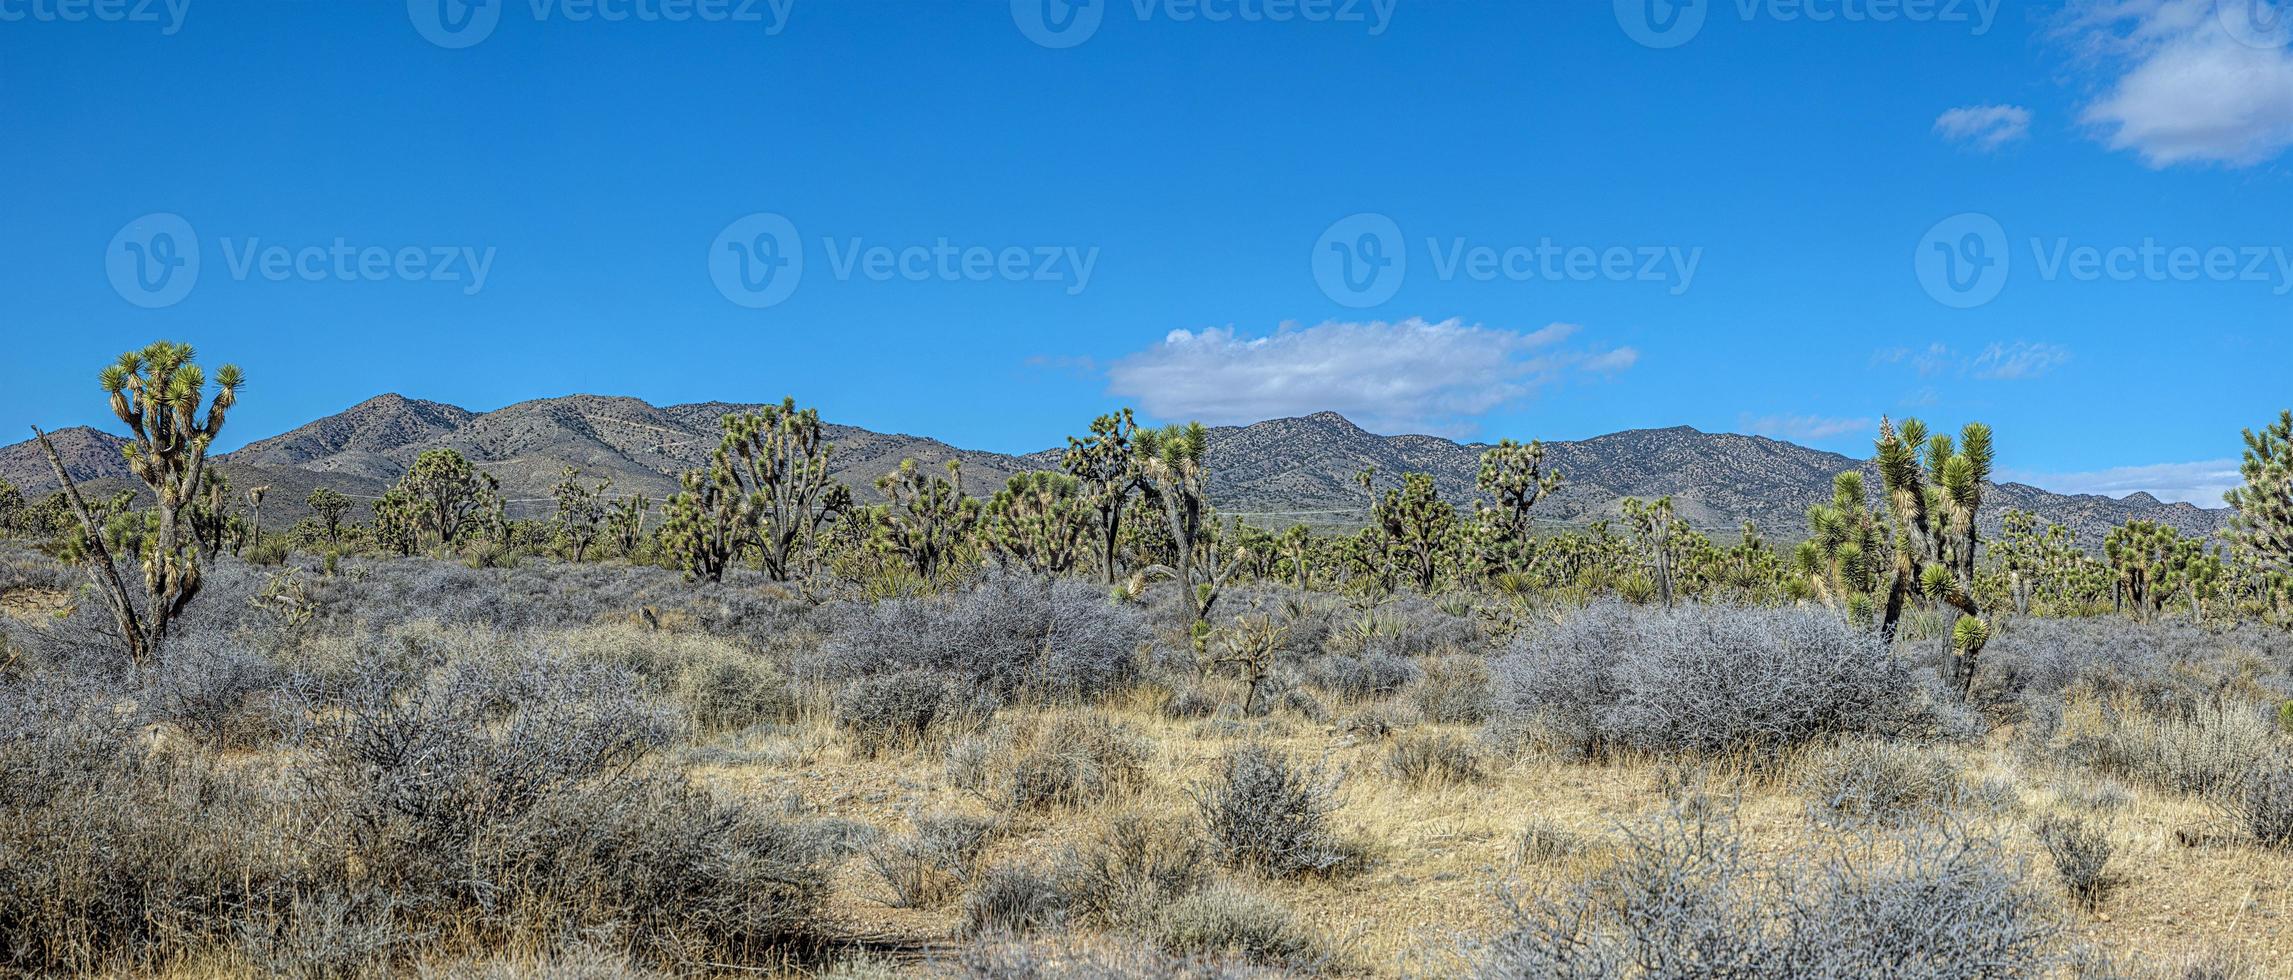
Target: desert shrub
2202, 749
1378, 721
1057, 638
1455, 691
1303, 704
1265, 813
898, 711
1078, 759
1134, 866
2081, 851
579, 961
1012, 901
927, 867
1227, 921
1687, 898
2262, 802
2095, 796
1434, 760
1411, 626
1543, 841
718, 685
2166, 666
1005, 959
1706, 679
1191, 702
221, 693
1373, 674
1881, 781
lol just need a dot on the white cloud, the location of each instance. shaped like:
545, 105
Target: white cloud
1806, 428
1411, 376
1984, 127
2191, 81
2017, 361
2201, 483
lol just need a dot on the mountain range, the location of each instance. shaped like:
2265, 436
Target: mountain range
1275, 472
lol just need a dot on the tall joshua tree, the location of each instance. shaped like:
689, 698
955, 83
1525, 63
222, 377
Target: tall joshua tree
1107, 472
157, 392
1934, 487
2263, 527
1171, 459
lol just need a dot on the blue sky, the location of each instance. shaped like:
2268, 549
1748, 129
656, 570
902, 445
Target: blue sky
1479, 220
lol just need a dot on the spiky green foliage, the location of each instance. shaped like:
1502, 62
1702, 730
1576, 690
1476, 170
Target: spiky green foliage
766, 489
1419, 532
2046, 570
398, 520
11, 508
1038, 521
2263, 526
1171, 460
580, 511
1106, 467
331, 506
2154, 563
1515, 478
625, 522
1934, 488
1659, 538
447, 498
1845, 554
210, 513
927, 519
158, 392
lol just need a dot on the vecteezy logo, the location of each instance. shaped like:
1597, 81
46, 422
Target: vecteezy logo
2264, 24
1058, 23
1963, 260
154, 261
1360, 260
757, 261
455, 23
1662, 23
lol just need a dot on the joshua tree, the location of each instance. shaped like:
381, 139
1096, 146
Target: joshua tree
1846, 549
766, 488
625, 522
2152, 562
1934, 489
927, 518
255, 497
1514, 475
1657, 536
1038, 521
2263, 526
1107, 471
1419, 528
398, 520
706, 523
210, 513
580, 510
445, 496
330, 505
156, 391
1171, 459
1249, 646
11, 507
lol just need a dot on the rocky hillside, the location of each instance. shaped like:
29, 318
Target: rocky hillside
1278, 472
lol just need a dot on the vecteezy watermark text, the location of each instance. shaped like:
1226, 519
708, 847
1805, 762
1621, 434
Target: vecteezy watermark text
155, 261
1672, 23
1967, 260
1067, 23
169, 14
463, 23
758, 261
1361, 260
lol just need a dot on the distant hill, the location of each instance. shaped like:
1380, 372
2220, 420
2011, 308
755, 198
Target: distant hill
1277, 472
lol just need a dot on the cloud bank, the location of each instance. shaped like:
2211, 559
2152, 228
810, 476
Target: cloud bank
2190, 81
1410, 376
2201, 483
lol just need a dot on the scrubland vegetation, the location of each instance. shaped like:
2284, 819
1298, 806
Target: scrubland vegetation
1088, 728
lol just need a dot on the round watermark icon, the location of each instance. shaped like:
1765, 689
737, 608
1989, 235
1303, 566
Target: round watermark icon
1360, 260
154, 260
2266, 24
1662, 24
1963, 261
455, 23
757, 261
1058, 23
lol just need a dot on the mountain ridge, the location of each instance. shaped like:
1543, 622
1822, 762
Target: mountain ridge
1301, 467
